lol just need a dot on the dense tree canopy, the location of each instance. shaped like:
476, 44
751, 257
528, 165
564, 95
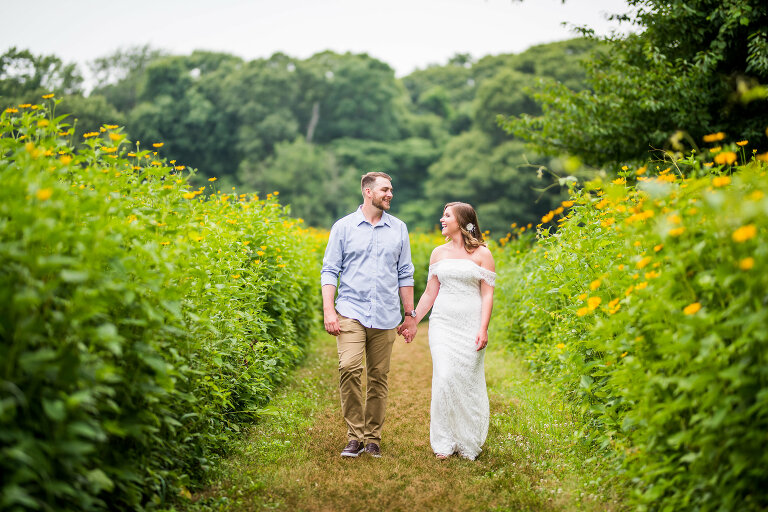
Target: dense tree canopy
694, 67
309, 128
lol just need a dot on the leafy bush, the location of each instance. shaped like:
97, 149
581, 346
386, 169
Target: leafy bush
143, 322
647, 306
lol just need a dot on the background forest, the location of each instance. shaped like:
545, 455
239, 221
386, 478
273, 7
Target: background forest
309, 128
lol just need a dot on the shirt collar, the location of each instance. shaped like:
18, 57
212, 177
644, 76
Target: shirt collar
360, 218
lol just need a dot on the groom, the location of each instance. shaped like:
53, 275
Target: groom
369, 255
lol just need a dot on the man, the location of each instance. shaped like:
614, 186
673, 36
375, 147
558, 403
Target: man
369, 255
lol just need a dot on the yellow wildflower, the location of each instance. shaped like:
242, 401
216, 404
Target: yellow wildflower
189, 195
619, 181
725, 158
747, 263
65, 159
714, 137
582, 311
11, 110
566, 204
742, 143
90, 134
744, 233
641, 170
236, 276
756, 195
47, 96
212, 179
44, 194
115, 136
593, 302
691, 309
643, 262
158, 144
641, 286
594, 285
677, 231
561, 345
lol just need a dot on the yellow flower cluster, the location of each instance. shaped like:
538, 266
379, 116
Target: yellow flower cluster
692, 309
744, 233
725, 158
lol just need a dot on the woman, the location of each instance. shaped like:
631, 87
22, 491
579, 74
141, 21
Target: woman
460, 287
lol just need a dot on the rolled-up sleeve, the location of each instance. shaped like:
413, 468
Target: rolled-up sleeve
332, 259
404, 264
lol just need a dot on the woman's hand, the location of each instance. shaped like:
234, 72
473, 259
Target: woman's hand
481, 340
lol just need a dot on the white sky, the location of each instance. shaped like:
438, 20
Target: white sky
406, 34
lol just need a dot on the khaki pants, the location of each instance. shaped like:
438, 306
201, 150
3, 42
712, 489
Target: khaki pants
364, 420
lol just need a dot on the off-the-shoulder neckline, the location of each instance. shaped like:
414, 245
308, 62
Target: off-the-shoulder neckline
463, 259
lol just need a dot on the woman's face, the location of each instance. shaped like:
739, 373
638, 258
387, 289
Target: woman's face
449, 223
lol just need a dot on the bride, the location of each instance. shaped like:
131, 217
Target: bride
460, 288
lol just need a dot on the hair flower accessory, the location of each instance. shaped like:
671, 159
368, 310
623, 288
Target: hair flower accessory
470, 227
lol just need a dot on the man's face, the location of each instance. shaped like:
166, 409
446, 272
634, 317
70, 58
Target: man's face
382, 194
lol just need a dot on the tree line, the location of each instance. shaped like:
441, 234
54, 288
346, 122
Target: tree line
490, 131
310, 127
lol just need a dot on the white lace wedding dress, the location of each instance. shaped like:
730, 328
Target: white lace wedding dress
459, 410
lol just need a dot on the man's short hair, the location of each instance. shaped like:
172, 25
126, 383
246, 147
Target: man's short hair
369, 179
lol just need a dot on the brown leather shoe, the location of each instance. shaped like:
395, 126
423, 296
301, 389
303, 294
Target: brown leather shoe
373, 450
353, 449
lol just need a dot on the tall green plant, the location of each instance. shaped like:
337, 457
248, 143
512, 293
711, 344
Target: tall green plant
144, 322
647, 308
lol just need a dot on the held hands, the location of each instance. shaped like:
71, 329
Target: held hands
331, 321
481, 340
408, 329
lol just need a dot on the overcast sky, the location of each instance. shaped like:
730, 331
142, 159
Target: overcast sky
406, 34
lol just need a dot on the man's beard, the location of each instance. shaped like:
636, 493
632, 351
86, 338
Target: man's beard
380, 204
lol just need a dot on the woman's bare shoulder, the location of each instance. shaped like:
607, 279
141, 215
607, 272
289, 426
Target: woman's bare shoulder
485, 258
437, 253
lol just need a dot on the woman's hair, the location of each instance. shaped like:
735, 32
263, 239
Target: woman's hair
466, 215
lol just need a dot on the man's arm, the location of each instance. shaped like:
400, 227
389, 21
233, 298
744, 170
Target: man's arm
330, 317
329, 275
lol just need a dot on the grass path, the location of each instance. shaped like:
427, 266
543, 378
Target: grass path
290, 460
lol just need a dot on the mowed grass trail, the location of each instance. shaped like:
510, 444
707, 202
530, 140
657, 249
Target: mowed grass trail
290, 460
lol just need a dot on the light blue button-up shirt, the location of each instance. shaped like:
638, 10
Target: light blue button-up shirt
370, 264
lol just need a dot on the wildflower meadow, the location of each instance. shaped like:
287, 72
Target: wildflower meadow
643, 300
147, 322
143, 321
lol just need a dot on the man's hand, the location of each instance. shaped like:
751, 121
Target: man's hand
408, 329
331, 321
